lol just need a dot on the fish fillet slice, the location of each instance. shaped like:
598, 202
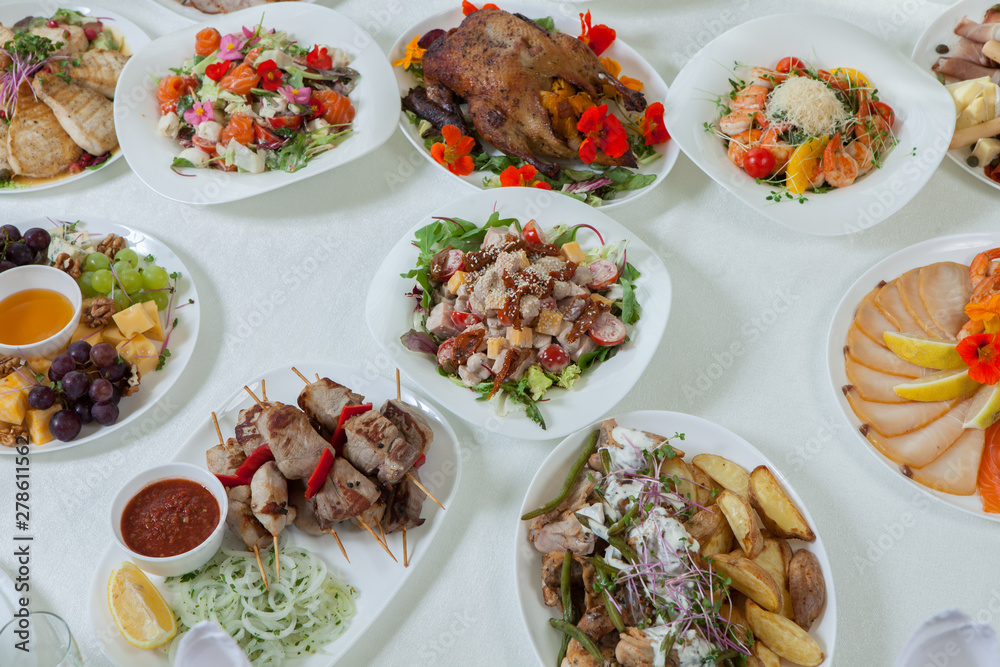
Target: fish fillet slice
909, 289
873, 385
956, 470
871, 320
920, 447
37, 145
945, 288
86, 115
98, 70
892, 419
890, 303
868, 352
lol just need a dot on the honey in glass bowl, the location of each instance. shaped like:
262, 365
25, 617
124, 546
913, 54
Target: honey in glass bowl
33, 315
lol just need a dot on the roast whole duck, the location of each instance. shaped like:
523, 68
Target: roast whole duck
499, 63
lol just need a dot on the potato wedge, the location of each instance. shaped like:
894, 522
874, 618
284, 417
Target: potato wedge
750, 579
729, 475
743, 520
680, 477
771, 559
777, 511
807, 588
712, 531
733, 614
765, 656
783, 636
704, 487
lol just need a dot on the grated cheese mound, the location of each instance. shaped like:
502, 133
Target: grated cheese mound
808, 104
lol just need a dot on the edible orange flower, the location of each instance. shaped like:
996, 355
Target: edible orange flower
468, 7
987, 312
523, 177
615, 69
651, 125
414, 54
453, 154
598, 37
980, 353
603, 131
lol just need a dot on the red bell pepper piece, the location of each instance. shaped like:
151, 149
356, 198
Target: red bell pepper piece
229, 481
339, 437
257, 458
422, 459
318, 478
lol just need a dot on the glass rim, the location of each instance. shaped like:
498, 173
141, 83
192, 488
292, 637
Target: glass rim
52, 614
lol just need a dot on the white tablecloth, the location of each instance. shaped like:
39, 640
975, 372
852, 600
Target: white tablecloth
738, 278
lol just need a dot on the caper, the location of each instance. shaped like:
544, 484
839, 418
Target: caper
972, 161
942, 48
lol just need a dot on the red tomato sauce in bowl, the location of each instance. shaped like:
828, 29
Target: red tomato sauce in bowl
169, 517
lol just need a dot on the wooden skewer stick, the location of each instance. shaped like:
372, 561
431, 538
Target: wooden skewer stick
218, 431
406, 560
263, 574
254, 396
424, 489
371, 532
381, 533
398, 398
333, 531
317, 376
263, 389
277, 556
301, 376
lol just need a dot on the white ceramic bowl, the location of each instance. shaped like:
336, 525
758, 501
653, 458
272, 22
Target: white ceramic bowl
172, 566
23, 278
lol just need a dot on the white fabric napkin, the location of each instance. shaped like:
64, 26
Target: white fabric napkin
208, 645
951, 639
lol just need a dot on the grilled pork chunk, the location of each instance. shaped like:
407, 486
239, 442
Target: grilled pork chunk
405, 503
345, 494
247, 433
305, 512
324, 399
374, 443
410, 422
296, 446
225, 459
242, 522
269, 499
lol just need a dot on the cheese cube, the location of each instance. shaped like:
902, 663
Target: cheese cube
457, 280
133, 320
964, 92
520, 338
113, 335
522, 260
494, 346
19, 379
600, 298
140, 352
76, 244
974, 114
37, 422
548, 322
13, 403
90, 334
39, 365
156, 333
571, 251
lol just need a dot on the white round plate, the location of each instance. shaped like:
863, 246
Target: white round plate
701, 437
568, 22
193, 13
942, 31
151, 154
182, 341
959, 248
135, 39
925, 118
390, 315
374, 575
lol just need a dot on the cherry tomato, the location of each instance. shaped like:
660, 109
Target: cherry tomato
465, 320
502, 316
788, 63
204, 144
286, 122
454, 261
553, 358
884, 110
759, 162
446, 356
264, 135
532, 234
607, 330
605, 274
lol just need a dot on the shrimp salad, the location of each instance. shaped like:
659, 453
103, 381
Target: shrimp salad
801, 128
255, 101
511, 311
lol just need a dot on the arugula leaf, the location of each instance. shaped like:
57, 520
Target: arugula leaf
629, 304
546, 22
517, 392
181, 162
596, 356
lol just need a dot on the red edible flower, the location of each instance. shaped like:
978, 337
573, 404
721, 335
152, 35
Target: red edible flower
982, 355
316, 108
603, 131
468, 7
598, 37
270, 75
514, 177
318, 59
651, 124
454, 152
216, 71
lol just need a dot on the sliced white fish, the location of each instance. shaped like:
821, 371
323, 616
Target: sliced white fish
908, 285
868, 352
956, 470
871, 320
920, 447
871, 384
945, 288
891, 419
890, 303
86, 115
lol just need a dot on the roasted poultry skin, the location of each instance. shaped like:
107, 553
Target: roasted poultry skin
499, 63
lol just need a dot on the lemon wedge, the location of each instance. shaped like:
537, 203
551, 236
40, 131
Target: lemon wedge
924, 350
140, 612
941, 386
800, 174
853, 76
985, 408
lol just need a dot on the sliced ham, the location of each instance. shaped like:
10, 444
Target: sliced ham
873, 385
871, 320
963, 70
892, 419
966, 49
908, 285
867, 352
890, 303
945, 289
920, 447
956, 470
977, 32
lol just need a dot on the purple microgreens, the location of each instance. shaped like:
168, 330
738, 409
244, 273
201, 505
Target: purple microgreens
591, 228
452, 221
111, 267
170, 312
29, 54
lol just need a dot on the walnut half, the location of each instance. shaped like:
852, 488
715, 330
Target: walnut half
110, 245
68, 265
99, 313
12, 434
8, 364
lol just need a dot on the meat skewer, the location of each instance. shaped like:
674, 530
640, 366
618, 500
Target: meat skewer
269, 494
399, 398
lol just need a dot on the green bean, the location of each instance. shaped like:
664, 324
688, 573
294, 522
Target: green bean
623, 547
567, 600
602, 566
612, 610
623, 523
606, 461
570, 482
576, 633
